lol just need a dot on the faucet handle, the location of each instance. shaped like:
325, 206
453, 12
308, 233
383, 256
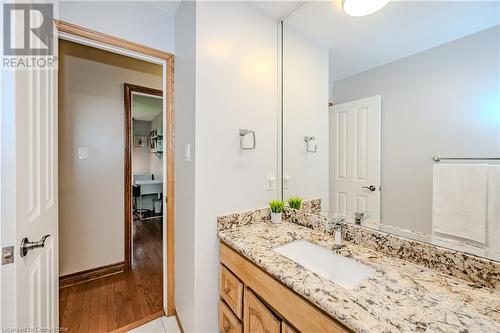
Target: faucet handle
362, 215
359, 215
334, 224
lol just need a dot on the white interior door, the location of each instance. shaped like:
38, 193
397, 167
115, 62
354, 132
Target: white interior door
34, 194
355, 158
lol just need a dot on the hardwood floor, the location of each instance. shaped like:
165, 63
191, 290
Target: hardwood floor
106, 304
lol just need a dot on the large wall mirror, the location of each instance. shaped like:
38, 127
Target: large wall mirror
393, 119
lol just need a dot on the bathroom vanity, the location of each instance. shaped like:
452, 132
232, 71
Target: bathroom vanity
252, 299
261, 289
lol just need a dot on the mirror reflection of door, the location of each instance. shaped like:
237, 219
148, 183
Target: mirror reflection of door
390, 102
355, 159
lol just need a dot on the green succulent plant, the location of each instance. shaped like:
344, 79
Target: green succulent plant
276, 206
295, 202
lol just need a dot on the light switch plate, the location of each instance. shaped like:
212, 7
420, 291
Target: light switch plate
188, 152
83, 152
286, 181
270, 183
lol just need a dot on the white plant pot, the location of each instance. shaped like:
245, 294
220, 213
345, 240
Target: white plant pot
276, 218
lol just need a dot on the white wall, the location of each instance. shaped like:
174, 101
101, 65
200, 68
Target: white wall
91, 104
236, 87
141, 155
184, 87
131, 20
444, 102
157, 123
305, 101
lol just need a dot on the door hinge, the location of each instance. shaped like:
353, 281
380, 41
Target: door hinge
7, 255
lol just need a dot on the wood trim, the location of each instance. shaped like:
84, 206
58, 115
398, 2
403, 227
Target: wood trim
90, 274
99, 37
170, 172
128, 90
296, 310
179, 322
141, 322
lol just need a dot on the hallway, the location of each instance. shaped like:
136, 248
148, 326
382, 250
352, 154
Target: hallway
113, 302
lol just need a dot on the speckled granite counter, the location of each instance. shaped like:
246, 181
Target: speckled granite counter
399, 297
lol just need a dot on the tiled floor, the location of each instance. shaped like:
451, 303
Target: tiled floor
160, 325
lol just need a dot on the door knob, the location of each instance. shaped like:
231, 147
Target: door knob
371, 188
27, 246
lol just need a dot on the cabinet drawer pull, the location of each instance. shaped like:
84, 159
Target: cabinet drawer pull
226, 329
227, 290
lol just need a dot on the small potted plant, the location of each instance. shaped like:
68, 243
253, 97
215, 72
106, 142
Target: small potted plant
295, 202
276, 210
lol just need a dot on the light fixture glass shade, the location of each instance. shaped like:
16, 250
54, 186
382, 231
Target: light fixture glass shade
362, 7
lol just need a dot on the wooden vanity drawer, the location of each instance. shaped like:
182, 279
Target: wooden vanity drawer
228, 323
231, 291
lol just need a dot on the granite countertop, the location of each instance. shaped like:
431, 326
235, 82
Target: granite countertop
399, 297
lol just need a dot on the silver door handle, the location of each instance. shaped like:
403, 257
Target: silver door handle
27, 246
371, 188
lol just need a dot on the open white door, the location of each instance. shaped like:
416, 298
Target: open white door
355, 158
30, 199
36, 197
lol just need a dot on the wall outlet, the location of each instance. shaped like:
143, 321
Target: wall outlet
270, 183
83, 153
286, 181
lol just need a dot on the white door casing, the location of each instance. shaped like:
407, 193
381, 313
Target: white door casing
355, 134
36, 197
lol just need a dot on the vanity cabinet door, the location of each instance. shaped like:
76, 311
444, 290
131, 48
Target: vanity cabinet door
257, 318
231, 291
228, 323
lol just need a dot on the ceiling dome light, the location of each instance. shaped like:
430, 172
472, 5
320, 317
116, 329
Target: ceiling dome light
362, 7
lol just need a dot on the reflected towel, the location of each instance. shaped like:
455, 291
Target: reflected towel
493, 217
459, 205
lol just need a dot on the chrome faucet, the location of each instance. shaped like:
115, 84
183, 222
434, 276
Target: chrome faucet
358, 217
335, 227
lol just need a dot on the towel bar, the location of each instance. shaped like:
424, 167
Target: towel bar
438, 159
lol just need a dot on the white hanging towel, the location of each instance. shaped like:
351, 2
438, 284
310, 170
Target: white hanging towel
493, 217
459, 205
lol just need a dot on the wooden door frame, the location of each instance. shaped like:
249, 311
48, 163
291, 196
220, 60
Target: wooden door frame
167, 60
128, 90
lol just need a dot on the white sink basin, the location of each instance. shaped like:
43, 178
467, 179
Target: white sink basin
341, 270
